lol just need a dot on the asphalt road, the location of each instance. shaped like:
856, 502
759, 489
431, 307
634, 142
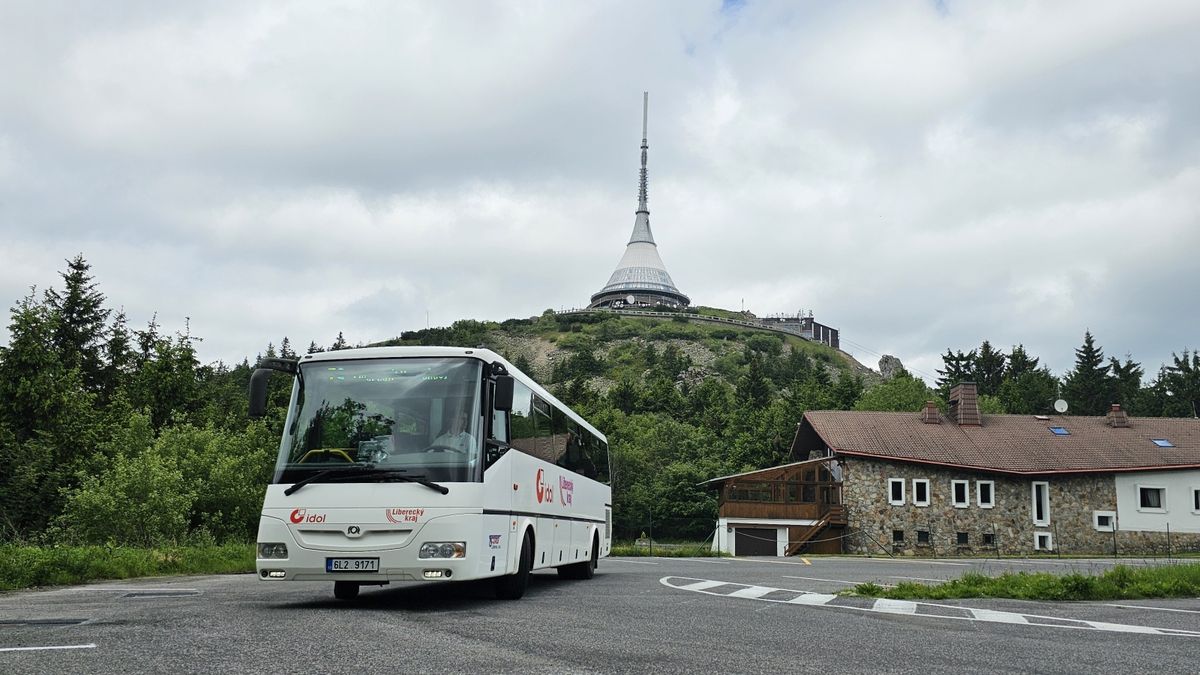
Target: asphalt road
636, 615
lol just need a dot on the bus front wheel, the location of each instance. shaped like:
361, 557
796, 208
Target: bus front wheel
345, 590
512, 586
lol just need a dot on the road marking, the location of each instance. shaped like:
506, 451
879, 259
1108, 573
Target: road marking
702, 585
38, 649
902, 561
896, 576
996, 616
908, 608
710, 562
887, 606
769, 562
635, 562
806, 562
841, 581
811, 599
1157, 609
751, 592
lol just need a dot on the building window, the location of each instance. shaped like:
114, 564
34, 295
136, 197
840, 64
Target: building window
986, 489
752, 492
1152, 498
961, 538
1043, 541
989, 539
896, 491
1041, 503
1163, 442
898, 536
922, 537
921, 491
1060, 431
962, 493
1195, 500
1104, 521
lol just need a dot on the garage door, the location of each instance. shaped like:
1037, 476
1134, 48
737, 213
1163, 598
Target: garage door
754, 541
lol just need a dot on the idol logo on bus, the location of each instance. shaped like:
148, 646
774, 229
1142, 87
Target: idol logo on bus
545, 492
403, 515
566, 490
302, 516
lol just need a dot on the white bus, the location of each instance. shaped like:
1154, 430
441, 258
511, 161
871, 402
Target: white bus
428, 464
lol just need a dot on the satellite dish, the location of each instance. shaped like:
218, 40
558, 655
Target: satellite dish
630, 299
1061, 406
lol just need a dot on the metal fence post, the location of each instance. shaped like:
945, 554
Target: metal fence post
651, 512
1058, 542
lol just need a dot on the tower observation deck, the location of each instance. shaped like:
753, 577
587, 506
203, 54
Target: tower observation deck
641, 279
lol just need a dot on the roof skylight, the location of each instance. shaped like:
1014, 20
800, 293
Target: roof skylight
1162, 442
1060, 431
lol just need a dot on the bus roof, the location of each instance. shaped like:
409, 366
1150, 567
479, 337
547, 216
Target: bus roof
485, 355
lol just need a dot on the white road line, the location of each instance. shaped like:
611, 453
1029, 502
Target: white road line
751, 592
899, 560
710, 562
702, 585
1124, 628
811, 599
635, 562
895, 606
1157, 609
770, 562
884, 606
996, 616
841, 581
38, 649
896, 576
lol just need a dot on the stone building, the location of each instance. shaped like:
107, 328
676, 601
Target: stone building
964, 483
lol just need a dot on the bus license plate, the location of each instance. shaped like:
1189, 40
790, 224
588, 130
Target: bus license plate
352, 564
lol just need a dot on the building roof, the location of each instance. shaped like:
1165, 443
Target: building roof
770, 468
1016, 444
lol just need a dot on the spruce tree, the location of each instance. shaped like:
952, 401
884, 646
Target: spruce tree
1089, 389
989, 369
339, 343
1019, 363
959, 367
80, 321
1126, 383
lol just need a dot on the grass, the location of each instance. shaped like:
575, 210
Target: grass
1119, 583
683, 550
30, 566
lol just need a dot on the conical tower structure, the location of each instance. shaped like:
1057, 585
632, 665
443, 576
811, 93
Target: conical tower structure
641, 279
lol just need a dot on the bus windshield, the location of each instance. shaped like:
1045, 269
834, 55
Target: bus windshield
416, 416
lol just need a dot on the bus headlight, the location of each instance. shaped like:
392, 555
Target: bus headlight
272, 551
443, 549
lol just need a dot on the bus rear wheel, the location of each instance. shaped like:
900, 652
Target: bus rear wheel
345, 590
585, 569
512, 586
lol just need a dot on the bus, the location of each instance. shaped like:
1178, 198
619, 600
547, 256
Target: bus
428, 464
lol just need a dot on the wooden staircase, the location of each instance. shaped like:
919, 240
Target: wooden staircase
835, 514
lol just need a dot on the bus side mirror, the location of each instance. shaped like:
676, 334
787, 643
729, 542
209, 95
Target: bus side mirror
258, 383
258, 392
502, 399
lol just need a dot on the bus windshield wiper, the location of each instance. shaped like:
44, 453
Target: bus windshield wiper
366, 470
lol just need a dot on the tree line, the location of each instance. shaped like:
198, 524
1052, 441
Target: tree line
113, 434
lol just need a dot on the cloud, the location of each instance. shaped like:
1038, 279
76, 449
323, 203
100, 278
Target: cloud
920, 175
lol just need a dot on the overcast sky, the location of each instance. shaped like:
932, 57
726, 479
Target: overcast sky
920, 175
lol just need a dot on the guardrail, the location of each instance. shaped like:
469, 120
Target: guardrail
695, 317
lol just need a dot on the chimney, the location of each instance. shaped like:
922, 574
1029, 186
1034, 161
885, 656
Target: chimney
1117, 418
964, 405
930, 414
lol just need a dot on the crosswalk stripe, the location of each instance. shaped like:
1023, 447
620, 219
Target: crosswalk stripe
996, 616
895, 606
751, 592
701, 585
811, 599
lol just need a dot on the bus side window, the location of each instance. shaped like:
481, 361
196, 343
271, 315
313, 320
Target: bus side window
522, 433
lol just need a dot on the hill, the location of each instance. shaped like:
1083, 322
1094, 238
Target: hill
681, 400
